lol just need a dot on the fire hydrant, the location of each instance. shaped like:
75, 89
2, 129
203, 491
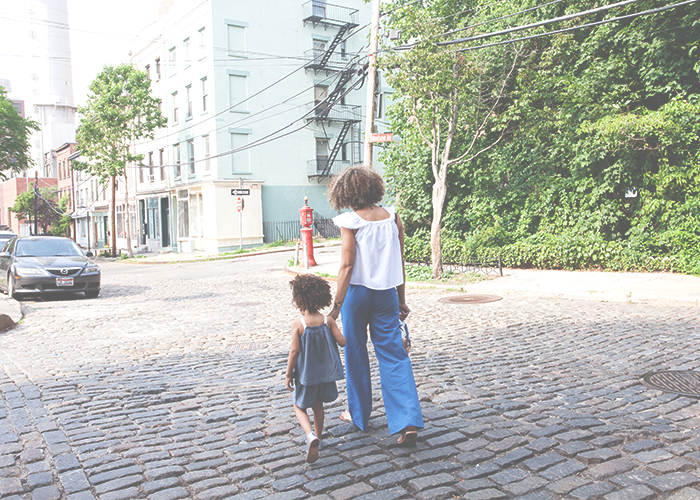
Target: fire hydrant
307, 218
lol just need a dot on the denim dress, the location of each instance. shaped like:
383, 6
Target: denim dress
318, 367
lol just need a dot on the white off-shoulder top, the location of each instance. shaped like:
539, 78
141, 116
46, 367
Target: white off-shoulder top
377, 250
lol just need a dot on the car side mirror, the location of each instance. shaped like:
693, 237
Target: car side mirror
4, 254
89, 254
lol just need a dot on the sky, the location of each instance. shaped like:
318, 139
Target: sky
101, 33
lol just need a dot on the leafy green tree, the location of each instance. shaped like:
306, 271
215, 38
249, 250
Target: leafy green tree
50, 215
14, 138
120, 109
446, 102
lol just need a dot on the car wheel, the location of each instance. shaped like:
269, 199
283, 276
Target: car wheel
91, 294
11, 286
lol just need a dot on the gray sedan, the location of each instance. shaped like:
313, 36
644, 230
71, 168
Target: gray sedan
38, 265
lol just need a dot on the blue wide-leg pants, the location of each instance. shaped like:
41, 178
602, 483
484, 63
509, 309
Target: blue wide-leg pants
378, 309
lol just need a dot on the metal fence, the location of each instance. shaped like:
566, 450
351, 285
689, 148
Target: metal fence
469, 266
289, 230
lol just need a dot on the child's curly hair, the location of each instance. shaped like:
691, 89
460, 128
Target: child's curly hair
355, 188
310, 293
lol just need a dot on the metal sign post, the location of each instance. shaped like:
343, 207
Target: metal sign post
240, 217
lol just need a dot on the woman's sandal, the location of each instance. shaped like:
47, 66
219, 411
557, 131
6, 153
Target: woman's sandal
312, 452
408, 437
346, 417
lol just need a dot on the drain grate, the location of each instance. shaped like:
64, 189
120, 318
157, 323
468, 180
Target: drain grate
247, 346
470, 299
686, 383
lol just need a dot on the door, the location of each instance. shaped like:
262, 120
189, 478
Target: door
144, 222
321, 154
165, 222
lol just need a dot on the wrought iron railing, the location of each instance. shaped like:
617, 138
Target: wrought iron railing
339, 112
336, 62
473, 265
290, 230
318, 11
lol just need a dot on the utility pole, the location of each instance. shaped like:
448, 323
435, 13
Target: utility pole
371, 81
36, 215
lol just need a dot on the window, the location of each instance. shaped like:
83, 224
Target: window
176, 160
190, 156
379, 106
319, 49
172, 60
342, 48
188, 96
148, 71
236, 41
186, 51
202, 46
153, 218
321, 154
238, 92
161, 155
195, 217
120, 221
158, 69
204, 94
320, 94
175, 109
150, 165
240, 160
206, 151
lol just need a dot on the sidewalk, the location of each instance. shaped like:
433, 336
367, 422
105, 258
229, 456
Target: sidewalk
595, 285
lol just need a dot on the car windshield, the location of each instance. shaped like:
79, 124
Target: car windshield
46, 248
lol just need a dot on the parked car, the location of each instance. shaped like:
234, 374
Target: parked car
38, 265
5, 236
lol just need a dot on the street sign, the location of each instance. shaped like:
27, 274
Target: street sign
388, 137
239, 204
240, 192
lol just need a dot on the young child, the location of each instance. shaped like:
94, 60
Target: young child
314, 363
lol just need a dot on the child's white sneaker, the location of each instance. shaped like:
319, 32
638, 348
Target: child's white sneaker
312, 452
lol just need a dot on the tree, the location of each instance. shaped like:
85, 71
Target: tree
14, 137
119, 110
51, 216
446, 101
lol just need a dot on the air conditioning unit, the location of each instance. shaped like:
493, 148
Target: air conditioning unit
151, 178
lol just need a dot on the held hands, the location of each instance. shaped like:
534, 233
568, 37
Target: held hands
289, 382
404, 311
335, 312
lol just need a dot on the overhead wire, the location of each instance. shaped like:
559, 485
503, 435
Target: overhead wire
588, 25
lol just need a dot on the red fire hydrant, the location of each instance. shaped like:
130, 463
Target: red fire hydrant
307, 218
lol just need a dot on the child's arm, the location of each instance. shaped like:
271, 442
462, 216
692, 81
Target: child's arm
293, 354
336, 332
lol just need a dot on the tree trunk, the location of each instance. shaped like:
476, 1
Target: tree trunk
439, 195
130, 252
114, 217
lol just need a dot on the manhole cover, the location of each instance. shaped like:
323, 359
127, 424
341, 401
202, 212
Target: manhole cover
470, 299
248, 346
686, 383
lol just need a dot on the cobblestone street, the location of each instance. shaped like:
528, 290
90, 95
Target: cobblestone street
171, 385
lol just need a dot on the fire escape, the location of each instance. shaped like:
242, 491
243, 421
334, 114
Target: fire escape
329, 108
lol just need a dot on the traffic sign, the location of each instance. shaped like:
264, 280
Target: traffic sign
239, 204
388, 137
240, 192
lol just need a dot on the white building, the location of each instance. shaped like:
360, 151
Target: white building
276, 75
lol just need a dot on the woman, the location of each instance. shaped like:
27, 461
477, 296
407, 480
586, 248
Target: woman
371, 292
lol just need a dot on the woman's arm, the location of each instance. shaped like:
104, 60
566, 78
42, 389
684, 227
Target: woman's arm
293, 355
340, 340
347, 261
401, 289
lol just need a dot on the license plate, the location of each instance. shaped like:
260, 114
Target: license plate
64, 281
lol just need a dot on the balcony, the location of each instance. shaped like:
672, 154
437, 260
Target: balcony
320, 12
338, 113
317, 167
315, 60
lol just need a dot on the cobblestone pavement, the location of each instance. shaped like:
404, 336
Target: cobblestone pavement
170, 385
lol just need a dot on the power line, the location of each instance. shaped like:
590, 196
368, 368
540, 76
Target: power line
535, 25
605, 21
